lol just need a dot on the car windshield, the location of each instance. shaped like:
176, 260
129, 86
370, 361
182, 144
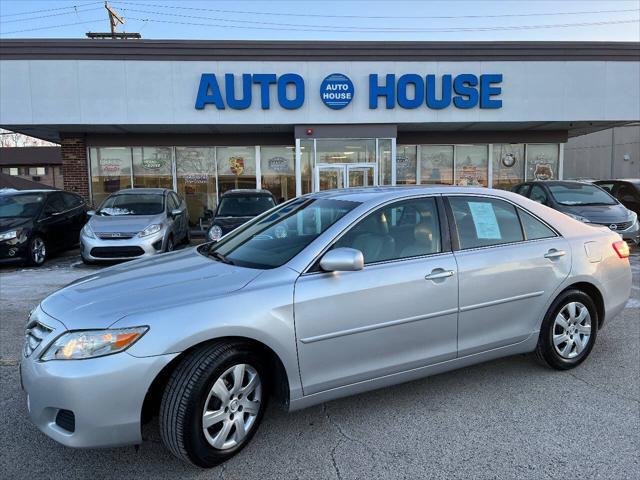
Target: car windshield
22, 205
580, 194
276, 237
133, 204
245, 205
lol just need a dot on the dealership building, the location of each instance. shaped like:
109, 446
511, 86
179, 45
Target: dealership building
203, 117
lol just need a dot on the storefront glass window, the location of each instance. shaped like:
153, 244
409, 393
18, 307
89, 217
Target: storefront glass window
152, 167
384, 159
508, 165
472, 165
277, 166
345, 151
436, 164
110, 171
306, 165
542, 161
406, 164
236, 168
196, 171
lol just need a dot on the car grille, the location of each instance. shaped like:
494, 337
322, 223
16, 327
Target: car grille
116, 252
36, 331
116, 235
619, 226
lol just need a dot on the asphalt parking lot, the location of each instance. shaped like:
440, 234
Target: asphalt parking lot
506, 419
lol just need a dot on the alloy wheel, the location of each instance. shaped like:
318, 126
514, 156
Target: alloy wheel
232, 406
38, 251
572, 330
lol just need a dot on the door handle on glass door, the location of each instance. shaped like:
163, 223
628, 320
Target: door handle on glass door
438, 273
553, 253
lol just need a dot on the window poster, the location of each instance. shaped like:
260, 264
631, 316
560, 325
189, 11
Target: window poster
485, 221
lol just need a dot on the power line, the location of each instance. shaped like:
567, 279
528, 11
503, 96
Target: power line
95, 20
50, 15
382, 17
308, 26
355, 30
70, 7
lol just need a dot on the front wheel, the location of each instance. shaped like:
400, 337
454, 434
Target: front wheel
170, 245
568, 331
213, 403
37, 251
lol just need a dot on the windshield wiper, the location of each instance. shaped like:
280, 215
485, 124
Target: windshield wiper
218, 256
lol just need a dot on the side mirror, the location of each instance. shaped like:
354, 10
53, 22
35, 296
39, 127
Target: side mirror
91, 213
342, 260
175, 212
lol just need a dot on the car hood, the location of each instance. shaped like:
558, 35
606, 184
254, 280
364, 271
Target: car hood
230, 222
604, 214
8, 223
164, 281
123, 223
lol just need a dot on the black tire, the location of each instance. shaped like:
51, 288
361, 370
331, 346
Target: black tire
187, 237
37, 260
170, 246
88, 262
184, 397
546, 350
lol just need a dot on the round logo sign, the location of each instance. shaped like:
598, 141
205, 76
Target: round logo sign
336, 91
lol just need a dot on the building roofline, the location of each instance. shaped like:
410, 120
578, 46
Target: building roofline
198, 50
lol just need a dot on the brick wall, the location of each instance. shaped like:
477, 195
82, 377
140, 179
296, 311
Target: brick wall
74, 164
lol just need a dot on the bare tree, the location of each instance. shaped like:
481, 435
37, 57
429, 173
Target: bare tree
13, 139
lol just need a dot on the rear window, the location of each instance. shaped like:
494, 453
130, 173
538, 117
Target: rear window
483, 222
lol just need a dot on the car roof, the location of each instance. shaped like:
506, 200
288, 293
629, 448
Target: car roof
130, 191
375, 194
566, 183
247, 191
635, 181
24, 192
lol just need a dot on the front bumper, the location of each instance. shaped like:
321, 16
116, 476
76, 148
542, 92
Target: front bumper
14, 250
632, 234
104, 394
97, 249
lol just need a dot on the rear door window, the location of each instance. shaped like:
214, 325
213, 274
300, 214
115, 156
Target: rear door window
483, 222
55, 204
71, 201
538, 195
534, 229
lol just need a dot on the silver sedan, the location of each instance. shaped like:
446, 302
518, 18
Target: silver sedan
327, 295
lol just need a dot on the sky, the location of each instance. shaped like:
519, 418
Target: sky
570, 20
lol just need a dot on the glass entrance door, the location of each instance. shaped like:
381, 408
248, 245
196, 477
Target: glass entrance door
333, 176
360, 176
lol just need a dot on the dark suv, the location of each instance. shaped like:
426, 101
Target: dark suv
585, 202
237, 207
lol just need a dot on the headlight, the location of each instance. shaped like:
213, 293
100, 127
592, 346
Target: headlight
10, 235
633, 216
150, 230
215, 233
90, 344
87, 231
580, 218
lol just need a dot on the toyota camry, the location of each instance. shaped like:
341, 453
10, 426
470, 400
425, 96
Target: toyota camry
327, 295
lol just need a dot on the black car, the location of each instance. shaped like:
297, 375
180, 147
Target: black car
237, 207
585, 202
35, 223
627, 191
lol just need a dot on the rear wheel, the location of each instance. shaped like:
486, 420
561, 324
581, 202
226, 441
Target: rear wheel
37, 251
568, 331
213, 403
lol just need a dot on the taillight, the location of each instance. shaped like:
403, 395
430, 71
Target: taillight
622, 248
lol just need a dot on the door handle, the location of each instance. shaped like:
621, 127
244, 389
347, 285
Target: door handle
553, 253
439, 273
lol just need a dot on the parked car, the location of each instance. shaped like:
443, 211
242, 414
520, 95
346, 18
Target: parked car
237, 207
327, 295
35, 223
627, 191
585, 202
135, 223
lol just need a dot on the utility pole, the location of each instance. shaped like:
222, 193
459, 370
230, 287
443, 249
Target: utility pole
114, 21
